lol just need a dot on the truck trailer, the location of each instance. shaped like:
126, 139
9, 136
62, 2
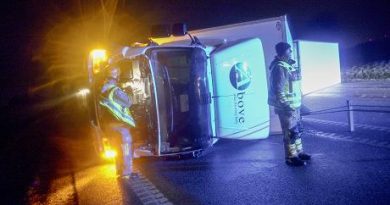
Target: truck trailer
191, 89
318, 61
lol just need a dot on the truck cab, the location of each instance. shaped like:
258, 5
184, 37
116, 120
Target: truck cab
186, 96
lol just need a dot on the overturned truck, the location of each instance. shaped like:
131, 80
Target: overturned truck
190, 89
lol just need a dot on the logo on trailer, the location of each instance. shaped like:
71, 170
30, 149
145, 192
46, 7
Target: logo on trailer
240, 76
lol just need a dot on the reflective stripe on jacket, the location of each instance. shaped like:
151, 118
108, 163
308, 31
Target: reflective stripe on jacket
117, 103
285, 86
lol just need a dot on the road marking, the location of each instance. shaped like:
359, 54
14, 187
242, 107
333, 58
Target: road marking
263, 164
146, 192
363, 126
335, 136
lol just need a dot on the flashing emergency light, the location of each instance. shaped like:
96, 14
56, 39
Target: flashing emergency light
98, 56
109, 154
83, 92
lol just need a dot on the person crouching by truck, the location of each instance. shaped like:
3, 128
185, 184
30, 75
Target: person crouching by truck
117, 120
285, 96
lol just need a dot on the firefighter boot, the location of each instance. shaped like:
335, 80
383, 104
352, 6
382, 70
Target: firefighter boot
301, 154
292, 158
295, 162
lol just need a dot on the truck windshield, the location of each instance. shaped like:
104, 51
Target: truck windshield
181, 86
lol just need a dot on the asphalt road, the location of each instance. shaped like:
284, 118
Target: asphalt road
347, 168
373, 96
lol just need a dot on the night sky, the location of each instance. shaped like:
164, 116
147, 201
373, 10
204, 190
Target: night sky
27, 25
348, 22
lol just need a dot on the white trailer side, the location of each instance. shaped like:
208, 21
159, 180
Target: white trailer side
315, 58
271, 31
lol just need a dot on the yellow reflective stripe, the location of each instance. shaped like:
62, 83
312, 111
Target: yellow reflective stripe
284, 64
128, 119
111, 108
111, 94
124, 112
120, 115
110, 86
292, 151
298, 144
117, 110
293, 98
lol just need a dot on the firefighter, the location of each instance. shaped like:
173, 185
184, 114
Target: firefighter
285, 96
117, 120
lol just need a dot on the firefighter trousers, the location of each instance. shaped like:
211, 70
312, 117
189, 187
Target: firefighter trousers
122, 141
291, 123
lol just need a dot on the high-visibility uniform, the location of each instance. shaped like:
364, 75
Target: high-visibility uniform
117, 103
285, 95
285, 86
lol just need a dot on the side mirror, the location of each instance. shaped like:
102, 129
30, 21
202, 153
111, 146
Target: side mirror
179, 29
160, 31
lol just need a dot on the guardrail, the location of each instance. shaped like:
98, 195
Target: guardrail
350, 109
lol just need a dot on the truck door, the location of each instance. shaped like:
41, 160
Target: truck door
240, 90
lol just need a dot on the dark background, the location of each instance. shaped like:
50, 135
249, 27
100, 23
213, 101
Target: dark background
29, 29
43, 54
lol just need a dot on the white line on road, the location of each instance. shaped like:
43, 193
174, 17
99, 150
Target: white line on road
347, 138
147, 193
363, 126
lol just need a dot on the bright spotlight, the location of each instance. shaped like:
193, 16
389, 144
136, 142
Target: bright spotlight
83, 92
99, 55
109, 154
98, 58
